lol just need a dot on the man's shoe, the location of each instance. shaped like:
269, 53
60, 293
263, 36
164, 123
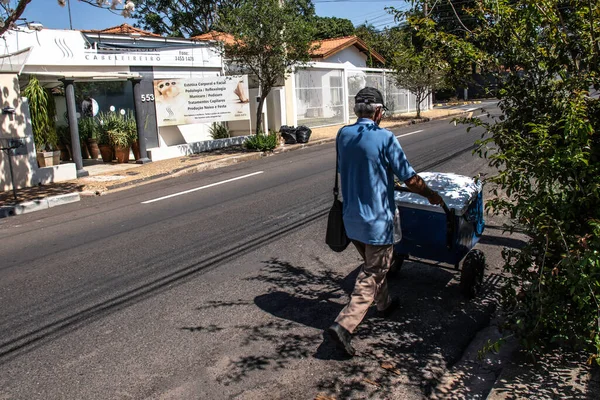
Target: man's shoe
342, 338
390, 309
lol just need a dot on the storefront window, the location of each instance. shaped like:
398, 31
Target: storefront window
94, 97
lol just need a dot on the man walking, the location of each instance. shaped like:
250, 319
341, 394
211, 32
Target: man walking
369, 157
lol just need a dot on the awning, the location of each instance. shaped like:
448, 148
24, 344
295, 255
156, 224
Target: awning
14, 62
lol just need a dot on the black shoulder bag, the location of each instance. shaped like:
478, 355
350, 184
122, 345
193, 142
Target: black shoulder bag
336, 237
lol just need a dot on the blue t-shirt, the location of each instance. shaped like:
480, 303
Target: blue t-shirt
369, 156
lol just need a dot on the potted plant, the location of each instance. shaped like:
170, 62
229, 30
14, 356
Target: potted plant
42, 110
115, 126
88, 132
107, 122
64, 142
84, 132
131, 128
121, 141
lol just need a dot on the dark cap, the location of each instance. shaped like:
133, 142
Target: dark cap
369, 95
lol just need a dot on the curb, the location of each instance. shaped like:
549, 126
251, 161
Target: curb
457, 103
40, 204
53, 201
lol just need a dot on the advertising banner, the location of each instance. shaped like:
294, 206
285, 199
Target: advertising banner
205, 100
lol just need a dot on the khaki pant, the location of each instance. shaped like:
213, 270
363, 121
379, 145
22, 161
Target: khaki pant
371, 285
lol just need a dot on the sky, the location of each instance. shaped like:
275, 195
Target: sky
51, 15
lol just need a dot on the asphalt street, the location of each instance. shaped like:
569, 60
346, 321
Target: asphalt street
218, 285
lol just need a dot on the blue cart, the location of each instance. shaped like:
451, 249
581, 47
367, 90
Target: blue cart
444, 234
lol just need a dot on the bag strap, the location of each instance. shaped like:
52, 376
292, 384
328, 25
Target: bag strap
336, 189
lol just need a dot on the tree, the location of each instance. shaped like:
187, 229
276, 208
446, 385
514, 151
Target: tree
269, 40
188, 18
180, 18
11, 10
382, 41
332, 27
546, 149
420, 71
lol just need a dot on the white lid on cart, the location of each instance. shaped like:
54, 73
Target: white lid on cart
456, 190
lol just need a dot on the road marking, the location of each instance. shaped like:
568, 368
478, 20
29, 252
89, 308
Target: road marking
201, 187
473, 109
410, 133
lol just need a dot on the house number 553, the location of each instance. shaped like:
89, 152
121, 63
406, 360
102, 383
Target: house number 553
147, 97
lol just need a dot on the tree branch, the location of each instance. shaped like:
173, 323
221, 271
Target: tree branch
14, 16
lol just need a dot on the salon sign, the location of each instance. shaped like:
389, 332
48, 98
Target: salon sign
203, 100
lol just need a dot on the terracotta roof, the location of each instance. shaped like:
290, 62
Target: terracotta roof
217, 36
123, 29
329, 47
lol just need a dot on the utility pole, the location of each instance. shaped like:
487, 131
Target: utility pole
70, 19
426, 8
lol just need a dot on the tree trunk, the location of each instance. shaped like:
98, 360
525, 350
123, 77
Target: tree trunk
259, 109
419, 98
263, 95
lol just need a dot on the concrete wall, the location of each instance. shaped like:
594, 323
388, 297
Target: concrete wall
15, 126
351, 55
277, 108
18, 126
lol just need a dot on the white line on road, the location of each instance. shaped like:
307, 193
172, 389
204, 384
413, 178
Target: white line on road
201, 187
473, 109
410, 133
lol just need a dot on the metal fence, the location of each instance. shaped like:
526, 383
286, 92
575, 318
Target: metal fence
325, 94
319, 97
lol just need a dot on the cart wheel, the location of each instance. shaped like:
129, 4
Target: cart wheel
397, 262
471, 278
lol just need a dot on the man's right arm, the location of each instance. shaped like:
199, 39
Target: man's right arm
402, 170
417, 185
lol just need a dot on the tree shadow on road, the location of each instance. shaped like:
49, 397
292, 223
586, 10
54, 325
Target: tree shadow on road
412, 348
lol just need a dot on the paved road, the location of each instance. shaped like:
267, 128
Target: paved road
218, 285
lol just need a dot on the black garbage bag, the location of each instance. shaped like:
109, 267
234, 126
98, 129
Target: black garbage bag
288, 133
303, 134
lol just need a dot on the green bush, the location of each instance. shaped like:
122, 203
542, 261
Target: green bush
546, 149
262, 142
116, 129
131, 126
219, 131
88, 128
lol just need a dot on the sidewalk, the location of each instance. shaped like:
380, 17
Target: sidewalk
105, 178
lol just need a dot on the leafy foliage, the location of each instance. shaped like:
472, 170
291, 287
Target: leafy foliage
180, 18
190, 18
88, 128
12, 10
116, 129
42, 110
417, 68
383, 42
331, 27
262, 142
546, 147
270, 39
219, 131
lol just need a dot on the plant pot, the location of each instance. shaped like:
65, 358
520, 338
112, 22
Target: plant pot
85, 154
93, 148
65, 155
106, 151
48, 158
135, 147
122, 154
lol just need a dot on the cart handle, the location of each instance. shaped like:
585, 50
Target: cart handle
450, 220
